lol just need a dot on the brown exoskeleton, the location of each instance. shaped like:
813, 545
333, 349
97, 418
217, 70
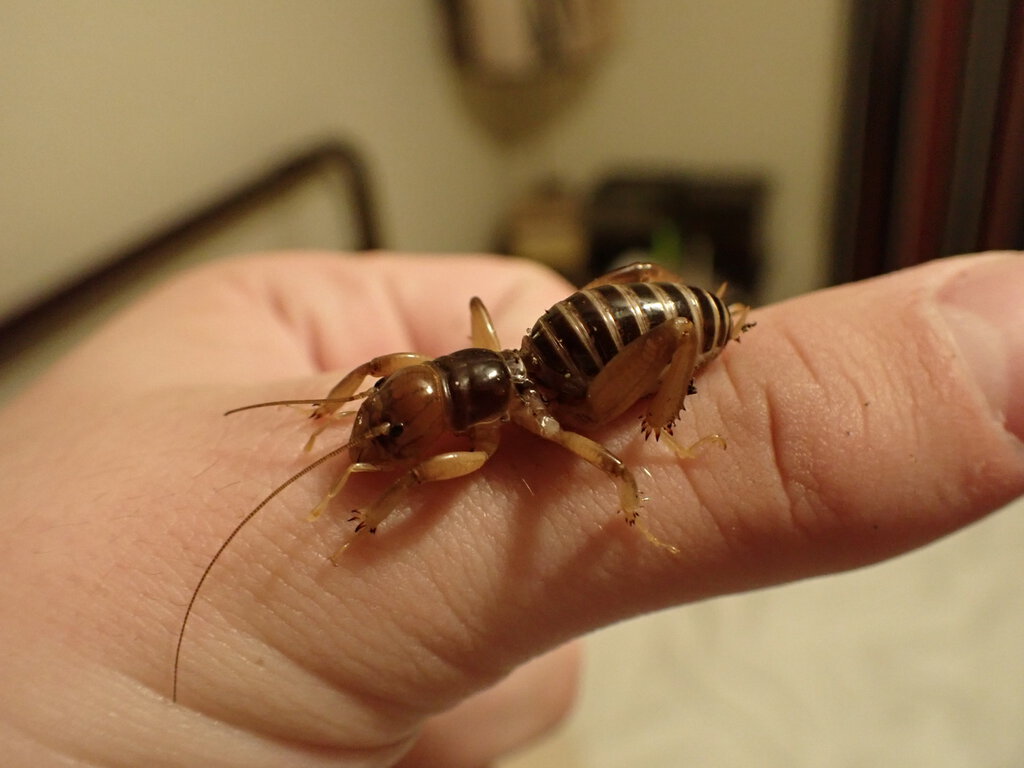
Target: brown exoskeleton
634, 333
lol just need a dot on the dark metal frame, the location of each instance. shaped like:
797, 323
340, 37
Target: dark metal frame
328, 156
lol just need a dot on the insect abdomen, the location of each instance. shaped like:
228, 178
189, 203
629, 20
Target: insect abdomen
577, 337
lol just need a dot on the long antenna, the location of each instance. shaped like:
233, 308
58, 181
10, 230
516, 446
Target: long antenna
202, 579
316, 401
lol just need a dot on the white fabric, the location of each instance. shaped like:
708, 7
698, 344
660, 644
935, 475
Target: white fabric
914, 662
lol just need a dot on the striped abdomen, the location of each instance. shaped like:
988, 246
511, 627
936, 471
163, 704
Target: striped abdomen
577, 337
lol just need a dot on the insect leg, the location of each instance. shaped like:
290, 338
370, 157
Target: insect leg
359, 466
445, 466
484, 334
658, 359
689, 452
532, 415
384, 365
740, 325
641, 272
675, 383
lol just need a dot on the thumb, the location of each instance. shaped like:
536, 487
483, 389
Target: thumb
861, 421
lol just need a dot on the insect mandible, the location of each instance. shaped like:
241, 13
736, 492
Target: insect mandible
637, 332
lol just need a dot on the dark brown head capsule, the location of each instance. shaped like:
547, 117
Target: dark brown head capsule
413, 407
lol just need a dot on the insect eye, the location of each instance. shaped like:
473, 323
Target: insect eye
396, 430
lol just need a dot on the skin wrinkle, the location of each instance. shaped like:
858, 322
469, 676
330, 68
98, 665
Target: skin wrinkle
408, 325
380, 714
419, 631
697, 481
797, 486
349, 682
912, 331
954, 390
508, 595
221, 291
802, 490
118, 752
460, 620
725, 367
793, 488
38, 737
78, 757
327, 753
306, 337
455, 620
952, 382
991, 359
506, 715
304, 326
331, 348
310, 711
404, 662
234, 571
730, 369
314, 667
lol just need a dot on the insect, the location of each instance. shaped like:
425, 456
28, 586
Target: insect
632, 334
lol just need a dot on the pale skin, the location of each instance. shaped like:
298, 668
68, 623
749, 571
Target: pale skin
122, 477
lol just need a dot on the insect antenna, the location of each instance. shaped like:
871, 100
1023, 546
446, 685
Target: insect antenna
316, 401
220, 551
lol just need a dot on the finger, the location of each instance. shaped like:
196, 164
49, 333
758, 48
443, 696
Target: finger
858, 426
872, 418
259, 319
517, 711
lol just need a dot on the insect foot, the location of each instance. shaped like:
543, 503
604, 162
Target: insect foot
690, 452
648, 430
634, 521
359, 517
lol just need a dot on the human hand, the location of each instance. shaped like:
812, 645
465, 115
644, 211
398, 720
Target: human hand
862, 422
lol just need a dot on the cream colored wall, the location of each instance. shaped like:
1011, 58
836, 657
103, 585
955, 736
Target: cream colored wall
716, 87
119, 115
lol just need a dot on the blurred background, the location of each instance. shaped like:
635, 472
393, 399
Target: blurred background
782, 146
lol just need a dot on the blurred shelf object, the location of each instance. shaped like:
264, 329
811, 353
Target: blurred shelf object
515, 41
707, 228
521, 63
547, 226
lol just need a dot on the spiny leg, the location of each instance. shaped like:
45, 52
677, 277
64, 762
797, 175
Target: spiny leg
483, 331
640, 369
661, 362
445, 466
669, 398
740, 325
533, 416
344, 390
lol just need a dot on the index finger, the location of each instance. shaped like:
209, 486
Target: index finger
259, 319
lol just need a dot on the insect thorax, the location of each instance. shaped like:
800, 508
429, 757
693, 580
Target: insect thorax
479, 386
